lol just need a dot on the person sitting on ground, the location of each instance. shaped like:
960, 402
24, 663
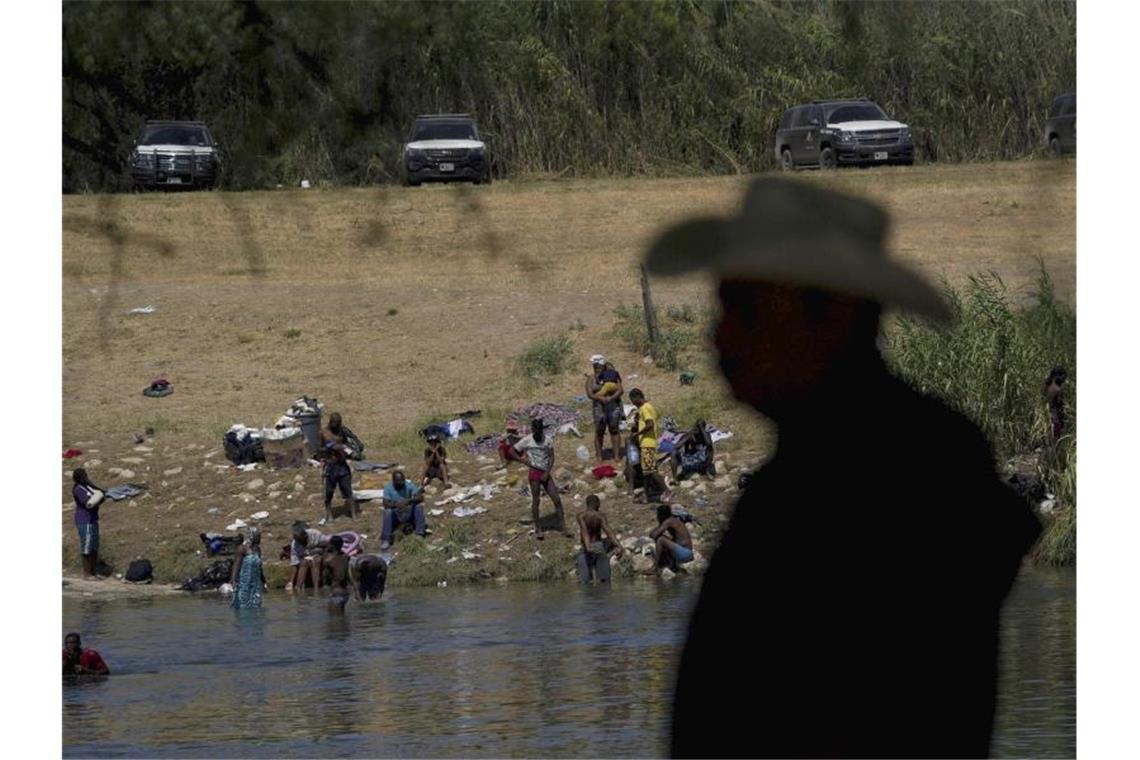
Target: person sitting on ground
537, 450
595, 533
507, 443
335, 450
403, 503
435, 460
693, 453
371, 575
646, 437
88, 497
604, 388
341, 579
674, 545
248, 576
80, 661
305, 556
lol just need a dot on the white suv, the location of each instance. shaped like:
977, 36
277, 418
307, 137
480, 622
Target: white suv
829, 133
445, 148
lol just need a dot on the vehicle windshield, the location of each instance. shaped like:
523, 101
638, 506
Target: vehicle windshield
444, 130
857, 112
175, 136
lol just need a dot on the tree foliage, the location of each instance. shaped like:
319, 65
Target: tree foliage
328, 90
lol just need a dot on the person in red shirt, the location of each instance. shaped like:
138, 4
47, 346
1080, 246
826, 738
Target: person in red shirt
80, 661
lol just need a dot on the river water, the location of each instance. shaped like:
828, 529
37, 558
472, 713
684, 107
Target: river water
515, 670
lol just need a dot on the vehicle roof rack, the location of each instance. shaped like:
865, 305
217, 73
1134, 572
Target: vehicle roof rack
175, 121
839, 100
444, 116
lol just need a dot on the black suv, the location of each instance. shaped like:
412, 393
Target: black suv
1061, 126
445, 148
174, 154
827, 133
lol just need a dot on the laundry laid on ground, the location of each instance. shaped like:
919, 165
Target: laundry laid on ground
716, 434
452, 429
70, 453
368, 494
485, 444
125, 491
210, 578
365, 466
604, 471
553, 416
142, 310
158, 387
468, 511
219, 544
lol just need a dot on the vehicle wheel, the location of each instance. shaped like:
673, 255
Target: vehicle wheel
826, 158
786, 162
1054, 146
409, 182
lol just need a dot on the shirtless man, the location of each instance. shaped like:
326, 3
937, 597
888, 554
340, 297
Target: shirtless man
674, 544
594, 560
335, 452
341, 579
370, 573
435, 461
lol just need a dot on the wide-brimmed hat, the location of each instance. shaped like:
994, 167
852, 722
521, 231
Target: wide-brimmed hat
598, 360
791, 232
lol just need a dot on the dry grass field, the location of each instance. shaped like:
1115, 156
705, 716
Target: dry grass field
392, 305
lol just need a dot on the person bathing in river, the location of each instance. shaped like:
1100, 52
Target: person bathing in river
370, 573
341, 579
594, 530
305, 556
248, 577
79, 661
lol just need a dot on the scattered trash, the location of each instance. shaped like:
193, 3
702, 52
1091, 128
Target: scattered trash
452, 559
247, 467
441, 584
583, 454
687, 377
70, 453
470, 555
213, 511
305, 184
701, 502
226, 589
538, 555
581, 399
435, 512
236, 524
468, 511
259, 515
142, 310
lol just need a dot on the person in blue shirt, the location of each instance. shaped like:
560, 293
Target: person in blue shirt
403, 503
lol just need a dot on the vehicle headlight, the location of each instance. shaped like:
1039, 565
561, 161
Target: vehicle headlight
846, 137
204, 159
140, 160
904, 134
414, 152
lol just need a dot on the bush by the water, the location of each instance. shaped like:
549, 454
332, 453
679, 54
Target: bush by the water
991, 364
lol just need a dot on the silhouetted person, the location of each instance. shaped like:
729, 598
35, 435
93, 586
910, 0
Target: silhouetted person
1055, 396
877, 545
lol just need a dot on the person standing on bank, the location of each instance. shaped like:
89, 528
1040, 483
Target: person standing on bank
604, 388
335, 450
878, 640
537, 452
88, 498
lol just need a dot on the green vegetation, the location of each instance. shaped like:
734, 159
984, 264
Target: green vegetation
567, 88
991, 365
545, 357
672, 339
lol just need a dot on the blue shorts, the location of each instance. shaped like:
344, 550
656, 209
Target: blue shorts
682, 554
88, 538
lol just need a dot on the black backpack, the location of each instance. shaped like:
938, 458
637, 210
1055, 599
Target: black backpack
140, 571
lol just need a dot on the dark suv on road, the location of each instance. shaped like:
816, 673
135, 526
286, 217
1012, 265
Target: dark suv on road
827, 133
1061, 126
445, 148
174, 154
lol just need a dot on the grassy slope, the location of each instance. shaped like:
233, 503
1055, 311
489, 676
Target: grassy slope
394, 305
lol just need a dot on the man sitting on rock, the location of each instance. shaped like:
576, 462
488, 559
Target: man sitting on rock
306, 554
594, 559
403, 503
674, 544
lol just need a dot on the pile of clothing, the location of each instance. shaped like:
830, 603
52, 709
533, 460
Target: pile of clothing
488, 443
158, 387
210, 578
452, 429
243, 445
557, 417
